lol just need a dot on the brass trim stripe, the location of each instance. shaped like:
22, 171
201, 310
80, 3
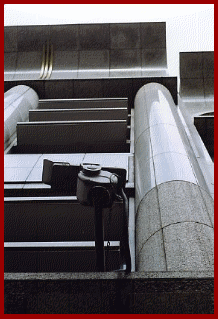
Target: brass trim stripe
51, 63
47, 61
43, 62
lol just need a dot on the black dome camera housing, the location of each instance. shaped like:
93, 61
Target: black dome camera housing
95, 184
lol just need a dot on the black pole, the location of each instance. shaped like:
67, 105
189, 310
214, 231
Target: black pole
99, 197
124, 245
99, 236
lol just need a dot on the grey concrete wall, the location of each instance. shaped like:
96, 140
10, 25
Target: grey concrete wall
201, 154
110, 292
87, 51
197, 82
174, 207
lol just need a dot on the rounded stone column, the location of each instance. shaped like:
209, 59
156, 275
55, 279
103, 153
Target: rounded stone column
17, 103
174, 208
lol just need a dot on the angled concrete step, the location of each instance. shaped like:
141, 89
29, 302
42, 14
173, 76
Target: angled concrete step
83, 103
78, 114
72, 136
49, 220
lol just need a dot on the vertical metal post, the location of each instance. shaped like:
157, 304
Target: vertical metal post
99, 236
100, 198
124, 242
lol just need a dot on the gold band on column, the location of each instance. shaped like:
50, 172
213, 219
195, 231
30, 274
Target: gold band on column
46, 62
43, 62
50, 63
